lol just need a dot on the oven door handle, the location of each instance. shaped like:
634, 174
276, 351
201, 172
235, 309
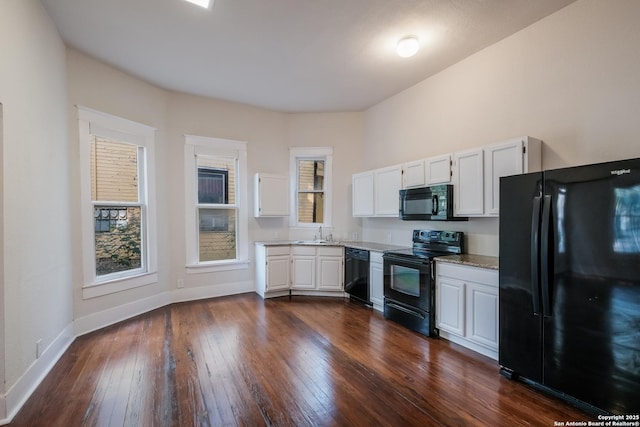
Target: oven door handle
402, 260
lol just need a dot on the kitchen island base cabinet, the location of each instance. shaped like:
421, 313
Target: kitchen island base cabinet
467, 306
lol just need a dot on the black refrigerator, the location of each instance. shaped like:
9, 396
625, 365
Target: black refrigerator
570, 283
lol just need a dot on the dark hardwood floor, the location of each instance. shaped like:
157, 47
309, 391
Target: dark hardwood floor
305, 361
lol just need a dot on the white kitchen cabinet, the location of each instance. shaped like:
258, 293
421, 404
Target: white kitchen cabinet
467, 306
330, 263
273, 267
271, 195
376, 280
387, 184
512, 157
303, 267
438, 170
468, 194
450, 305
362, 194
482, 314
413, 174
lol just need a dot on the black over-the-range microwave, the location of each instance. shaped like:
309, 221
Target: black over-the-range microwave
433, 203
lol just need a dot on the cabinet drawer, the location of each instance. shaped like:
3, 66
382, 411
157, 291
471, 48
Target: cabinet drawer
303, 250
330, 250
468, 273
277, 250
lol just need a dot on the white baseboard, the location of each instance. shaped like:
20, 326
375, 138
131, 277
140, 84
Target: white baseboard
18, 394
101, 319
211, 291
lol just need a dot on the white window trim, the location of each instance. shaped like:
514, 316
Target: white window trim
216, 147
296, 153
92, 122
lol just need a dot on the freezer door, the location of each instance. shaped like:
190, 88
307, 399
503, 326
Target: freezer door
520, 317
591, 311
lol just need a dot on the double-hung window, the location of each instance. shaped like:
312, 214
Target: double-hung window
118, 220
216, 203
311, 169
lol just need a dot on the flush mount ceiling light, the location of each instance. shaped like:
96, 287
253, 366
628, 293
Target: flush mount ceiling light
202, 3
407, 46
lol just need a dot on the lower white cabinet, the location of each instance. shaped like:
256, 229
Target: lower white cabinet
273, 267
299, 270
467, 306
376, 280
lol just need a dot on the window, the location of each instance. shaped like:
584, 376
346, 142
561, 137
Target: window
118, 221
216, 203
311, 186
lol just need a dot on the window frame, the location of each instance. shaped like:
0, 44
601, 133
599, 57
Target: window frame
311, 153
93, 122
215, 147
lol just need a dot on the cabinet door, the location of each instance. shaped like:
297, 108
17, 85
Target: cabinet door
387, 185
330, 276
413, 174
278, 272
362, 197
469, 187
271, 195
500, 160
438, 169
303, 269
376, 285
450, 305
482, 315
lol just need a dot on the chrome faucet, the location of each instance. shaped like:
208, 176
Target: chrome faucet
320, 233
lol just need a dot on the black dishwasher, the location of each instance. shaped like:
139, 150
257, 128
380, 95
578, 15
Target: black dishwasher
356, 274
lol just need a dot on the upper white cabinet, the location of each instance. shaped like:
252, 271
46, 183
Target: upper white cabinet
375, 193
512, 157
413, 174
387, 183
468, 193
362, 197
438, 170
477, 173
271, 195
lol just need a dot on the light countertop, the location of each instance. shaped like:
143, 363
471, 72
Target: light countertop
482, 261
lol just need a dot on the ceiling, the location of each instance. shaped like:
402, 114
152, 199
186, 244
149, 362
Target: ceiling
289, 55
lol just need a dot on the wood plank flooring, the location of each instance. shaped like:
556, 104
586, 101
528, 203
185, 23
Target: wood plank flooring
286, 362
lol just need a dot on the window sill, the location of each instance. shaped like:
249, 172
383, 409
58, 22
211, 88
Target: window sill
118, 285
218, 266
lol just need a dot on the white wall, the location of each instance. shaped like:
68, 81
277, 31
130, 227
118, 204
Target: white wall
570, 79
36, 187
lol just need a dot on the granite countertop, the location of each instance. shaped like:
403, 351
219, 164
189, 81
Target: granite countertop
482, 261
369, 246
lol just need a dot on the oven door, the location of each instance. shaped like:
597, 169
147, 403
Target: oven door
408, 281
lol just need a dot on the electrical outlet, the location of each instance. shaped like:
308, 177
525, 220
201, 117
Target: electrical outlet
180, 283
39, 348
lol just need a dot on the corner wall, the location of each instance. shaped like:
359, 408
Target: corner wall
36, 214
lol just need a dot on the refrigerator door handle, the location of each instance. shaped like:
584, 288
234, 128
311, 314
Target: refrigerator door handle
544, 256
535, 255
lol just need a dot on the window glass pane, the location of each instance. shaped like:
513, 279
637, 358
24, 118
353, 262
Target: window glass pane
310, 175
114, 171
217, 236
311, 207
216, 180
117, 238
